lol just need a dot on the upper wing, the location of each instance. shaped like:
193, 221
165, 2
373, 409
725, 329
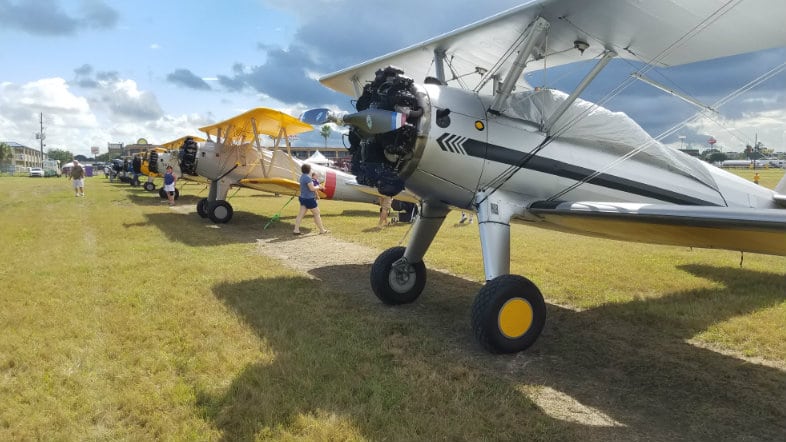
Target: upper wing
665, 33
175, 144
749, 230
264, 121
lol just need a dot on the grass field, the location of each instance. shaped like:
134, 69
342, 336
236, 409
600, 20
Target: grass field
123, 319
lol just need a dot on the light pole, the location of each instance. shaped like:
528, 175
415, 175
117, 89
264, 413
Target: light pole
41, 136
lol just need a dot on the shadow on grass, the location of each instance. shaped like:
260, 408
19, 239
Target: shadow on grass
415, 372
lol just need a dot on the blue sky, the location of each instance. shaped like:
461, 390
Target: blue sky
114, 71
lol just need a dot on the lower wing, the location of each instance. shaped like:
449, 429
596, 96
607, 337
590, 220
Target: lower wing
275, 185
743, 229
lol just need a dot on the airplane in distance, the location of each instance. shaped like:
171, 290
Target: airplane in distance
171, 157
452, 119
152, 166
233, 156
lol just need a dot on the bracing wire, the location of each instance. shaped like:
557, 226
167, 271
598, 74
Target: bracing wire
650, 64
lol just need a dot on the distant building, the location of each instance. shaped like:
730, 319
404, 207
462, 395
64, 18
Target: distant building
115, 150
24, 157
133, 149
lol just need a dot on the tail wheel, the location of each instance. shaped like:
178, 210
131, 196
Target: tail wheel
220, 212
508, 314
162, 193
394, 283
201, 207
149, 186
177, 193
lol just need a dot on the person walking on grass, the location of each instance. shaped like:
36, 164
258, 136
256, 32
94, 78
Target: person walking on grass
78, 179
308, 200
169, 185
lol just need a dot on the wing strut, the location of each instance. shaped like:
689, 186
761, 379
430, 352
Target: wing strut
671, 91
439, 64
537, 29
607, 56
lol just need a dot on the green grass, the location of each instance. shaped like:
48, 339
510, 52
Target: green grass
123, 319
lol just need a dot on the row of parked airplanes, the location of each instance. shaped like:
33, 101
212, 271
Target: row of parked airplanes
232, 155
451, 123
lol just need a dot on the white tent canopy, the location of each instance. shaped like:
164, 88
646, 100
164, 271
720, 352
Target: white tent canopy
318, 158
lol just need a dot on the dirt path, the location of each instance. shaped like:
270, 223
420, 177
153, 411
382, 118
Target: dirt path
299, 253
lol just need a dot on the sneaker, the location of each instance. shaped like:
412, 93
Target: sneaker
324, 231
296, 233
463, 218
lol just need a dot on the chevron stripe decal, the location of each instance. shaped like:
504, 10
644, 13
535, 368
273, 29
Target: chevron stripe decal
452, 143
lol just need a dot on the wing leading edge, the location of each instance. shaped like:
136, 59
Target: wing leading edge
666, 33
747, 230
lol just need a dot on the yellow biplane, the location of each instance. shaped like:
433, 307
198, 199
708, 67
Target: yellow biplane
233, 155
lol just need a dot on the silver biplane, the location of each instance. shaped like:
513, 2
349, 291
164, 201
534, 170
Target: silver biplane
233, 155
487, 142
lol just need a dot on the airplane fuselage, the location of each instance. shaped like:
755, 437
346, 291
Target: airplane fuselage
230, 165
471, 150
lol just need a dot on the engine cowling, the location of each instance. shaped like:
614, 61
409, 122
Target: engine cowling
378, 160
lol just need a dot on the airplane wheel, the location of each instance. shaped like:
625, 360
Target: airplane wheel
508, 314
162, 193
177, 194
394, 286
201, 207
149, 186
220, 212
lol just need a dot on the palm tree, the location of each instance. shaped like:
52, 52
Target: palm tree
325, 131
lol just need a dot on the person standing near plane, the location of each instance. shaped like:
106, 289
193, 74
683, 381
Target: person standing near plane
169, 185
78, 179
315, 180
384, 210
308, 200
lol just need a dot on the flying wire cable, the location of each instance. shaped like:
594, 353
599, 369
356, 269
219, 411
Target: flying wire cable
648, 65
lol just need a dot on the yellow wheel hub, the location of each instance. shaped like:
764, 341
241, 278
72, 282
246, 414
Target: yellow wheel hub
515, 318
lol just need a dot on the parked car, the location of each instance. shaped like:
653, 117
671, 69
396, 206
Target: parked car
37, 171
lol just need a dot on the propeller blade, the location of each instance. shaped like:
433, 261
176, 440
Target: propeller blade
317, 117
367, 122
375, 121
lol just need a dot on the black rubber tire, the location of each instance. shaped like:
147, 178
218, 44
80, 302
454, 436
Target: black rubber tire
389, 287
163, 195
487, 307
149, 186
220, 212
201, 207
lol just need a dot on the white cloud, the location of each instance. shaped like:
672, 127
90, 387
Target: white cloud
768, 127
115, 111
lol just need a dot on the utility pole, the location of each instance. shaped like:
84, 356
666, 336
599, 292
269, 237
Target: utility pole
40, 136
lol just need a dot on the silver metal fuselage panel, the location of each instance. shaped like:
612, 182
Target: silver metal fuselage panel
451, 164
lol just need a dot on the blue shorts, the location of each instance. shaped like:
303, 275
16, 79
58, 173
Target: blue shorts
310, 203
